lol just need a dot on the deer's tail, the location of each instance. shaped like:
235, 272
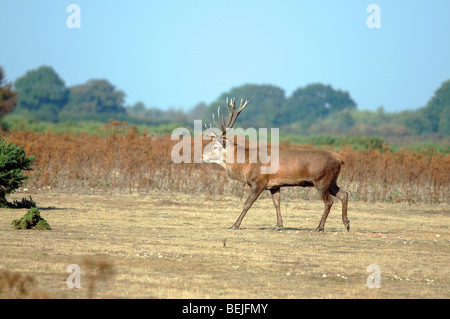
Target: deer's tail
342, 159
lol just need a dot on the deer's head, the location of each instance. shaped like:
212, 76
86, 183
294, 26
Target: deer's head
215, 152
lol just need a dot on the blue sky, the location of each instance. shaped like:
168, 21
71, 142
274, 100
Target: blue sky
178, 53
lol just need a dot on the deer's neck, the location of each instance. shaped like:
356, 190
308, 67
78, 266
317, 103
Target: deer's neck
235, 171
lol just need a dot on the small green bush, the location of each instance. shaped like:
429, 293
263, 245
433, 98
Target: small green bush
13, 163
31, 220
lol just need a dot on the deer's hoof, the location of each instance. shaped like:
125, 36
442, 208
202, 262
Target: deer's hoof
234, 227
347, 225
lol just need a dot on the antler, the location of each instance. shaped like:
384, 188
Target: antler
233, 115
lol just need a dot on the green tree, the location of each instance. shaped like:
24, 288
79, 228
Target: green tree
312, 102
138, 109
13, 163
8, 97
265, 102
96, 96
437, 111
197, 112
340, 122
444, 121
413, 121
41, 92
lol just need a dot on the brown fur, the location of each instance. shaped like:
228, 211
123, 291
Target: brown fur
297, 167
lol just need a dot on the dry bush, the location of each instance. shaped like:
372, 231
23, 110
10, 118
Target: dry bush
121, 159
16, 285
397, 176
96, 270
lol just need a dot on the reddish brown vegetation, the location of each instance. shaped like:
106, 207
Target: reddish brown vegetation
124, 160
17, 285
397, 176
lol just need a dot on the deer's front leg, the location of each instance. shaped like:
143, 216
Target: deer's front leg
255, 191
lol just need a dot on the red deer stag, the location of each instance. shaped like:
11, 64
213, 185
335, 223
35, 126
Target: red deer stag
296, 167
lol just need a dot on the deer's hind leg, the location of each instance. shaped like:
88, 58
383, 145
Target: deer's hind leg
276, 201
343, 197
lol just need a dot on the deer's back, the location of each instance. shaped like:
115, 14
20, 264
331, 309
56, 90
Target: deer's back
305, 167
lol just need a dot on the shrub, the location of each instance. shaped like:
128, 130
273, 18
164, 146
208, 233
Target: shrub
31, 220
17, 285
13, 162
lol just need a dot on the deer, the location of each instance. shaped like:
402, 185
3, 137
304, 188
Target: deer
296, 167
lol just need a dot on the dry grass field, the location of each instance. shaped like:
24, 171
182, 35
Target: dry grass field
176, 245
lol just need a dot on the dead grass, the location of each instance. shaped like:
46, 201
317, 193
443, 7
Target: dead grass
171, 245
122, 160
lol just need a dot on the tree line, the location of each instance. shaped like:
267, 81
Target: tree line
314, 109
